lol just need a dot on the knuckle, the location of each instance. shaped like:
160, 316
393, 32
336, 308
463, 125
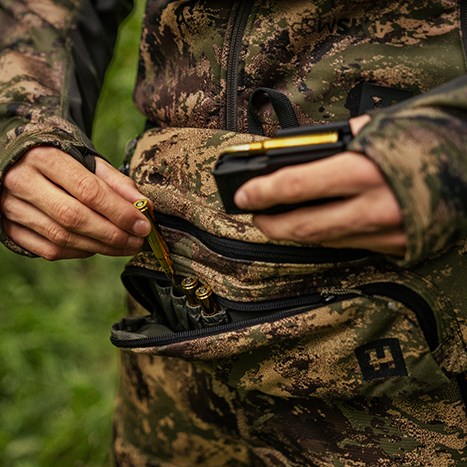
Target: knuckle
6, 209
58, 235
364, 171
18, 179
88, 190
43, 153
37, 154
123, 218
68, 216
12, 177
388, 214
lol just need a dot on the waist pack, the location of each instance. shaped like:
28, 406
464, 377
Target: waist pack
314, 356
291, 320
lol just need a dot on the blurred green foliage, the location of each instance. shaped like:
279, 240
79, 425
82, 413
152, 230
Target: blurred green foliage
58, 370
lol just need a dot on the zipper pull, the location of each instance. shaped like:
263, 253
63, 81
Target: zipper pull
329, 294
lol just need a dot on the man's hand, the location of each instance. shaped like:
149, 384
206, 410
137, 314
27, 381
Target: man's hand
367, 214
54, 207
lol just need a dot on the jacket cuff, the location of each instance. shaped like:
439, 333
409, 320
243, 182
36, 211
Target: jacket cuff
58, 133
422, 156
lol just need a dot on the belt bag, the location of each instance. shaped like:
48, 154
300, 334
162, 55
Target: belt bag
293, 320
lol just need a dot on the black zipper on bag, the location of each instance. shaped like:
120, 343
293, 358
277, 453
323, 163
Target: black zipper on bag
241, 20
279, 309
132, 275
299, 304
238, 249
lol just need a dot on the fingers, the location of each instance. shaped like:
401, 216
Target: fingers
40, 246
342, 175
372, 221
52, 206
334, 220
43, 247
94, 194
32, 219
363, 214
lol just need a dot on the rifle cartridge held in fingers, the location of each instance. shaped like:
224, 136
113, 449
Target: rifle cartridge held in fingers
156, 241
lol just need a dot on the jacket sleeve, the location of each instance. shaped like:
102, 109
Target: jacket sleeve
420, 146
53, 58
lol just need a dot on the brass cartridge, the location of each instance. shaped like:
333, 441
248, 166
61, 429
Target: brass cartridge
189, 286
207, 300
156, 241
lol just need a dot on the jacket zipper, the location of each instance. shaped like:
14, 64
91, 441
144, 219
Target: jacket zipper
240, 22
240, 249
463, 24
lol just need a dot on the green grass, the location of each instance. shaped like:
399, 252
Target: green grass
58, 370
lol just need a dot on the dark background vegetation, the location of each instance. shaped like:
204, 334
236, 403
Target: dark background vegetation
58, 370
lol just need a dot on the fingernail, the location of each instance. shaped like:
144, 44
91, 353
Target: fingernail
141, 228
241, 199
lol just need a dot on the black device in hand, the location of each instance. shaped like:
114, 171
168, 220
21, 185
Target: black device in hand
291, 146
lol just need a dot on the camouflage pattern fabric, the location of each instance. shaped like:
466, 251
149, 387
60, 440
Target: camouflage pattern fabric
284, 402
356, 380
294, 391
318, 54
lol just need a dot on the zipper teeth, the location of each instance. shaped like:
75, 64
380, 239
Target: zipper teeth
463, 24
273, 305
269, 305
398, 292
240, 23
239, 249
205, 332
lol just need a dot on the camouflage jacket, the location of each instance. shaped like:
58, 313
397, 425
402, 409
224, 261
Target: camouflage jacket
54, 55
311, 387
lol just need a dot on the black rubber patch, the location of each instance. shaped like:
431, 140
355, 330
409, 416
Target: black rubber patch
381, 359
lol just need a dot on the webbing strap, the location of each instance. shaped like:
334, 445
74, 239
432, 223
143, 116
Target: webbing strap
281, 105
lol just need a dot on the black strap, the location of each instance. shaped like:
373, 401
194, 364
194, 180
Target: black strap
462, 382
281, 105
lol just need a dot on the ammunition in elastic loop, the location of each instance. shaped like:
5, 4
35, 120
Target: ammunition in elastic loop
189, 286
207, 300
